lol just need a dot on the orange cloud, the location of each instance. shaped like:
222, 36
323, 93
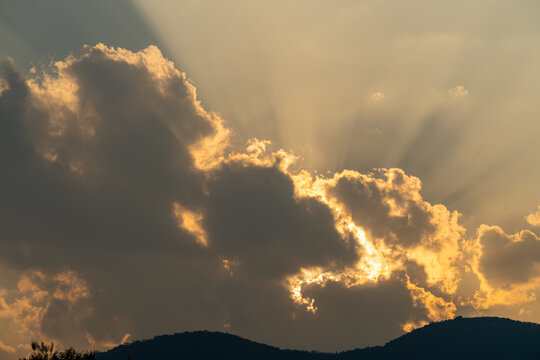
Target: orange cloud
191, 222
391, 224
437, 308
4, 86
508, 266
7, 348
106, 345
26, 306
534, 218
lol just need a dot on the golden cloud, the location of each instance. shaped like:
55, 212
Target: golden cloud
105, 345
25, 307
534, 218
123, 139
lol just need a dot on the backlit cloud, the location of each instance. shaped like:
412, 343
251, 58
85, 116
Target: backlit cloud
4, 85
534, 218
39, 305
507, 266
129, 210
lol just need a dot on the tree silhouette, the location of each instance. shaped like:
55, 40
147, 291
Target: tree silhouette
42, 351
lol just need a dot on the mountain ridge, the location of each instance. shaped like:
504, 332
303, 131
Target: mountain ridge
458, 338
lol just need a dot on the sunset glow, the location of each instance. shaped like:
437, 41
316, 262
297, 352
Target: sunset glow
310, 174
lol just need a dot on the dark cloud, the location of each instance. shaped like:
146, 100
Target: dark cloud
252, 214
509, 259
16, 148
116, 165
376, 312
89, 184
387, 208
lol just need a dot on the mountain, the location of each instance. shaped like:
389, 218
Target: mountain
461, 338
203, 345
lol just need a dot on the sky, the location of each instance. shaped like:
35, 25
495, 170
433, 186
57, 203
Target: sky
312, 174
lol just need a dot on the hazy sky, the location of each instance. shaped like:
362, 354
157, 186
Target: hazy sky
444, 90
312, 174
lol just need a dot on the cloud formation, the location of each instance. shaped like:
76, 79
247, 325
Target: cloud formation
129, 210
534, 218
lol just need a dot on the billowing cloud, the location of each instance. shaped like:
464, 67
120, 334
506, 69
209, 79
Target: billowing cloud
95, 155
252, 214
391, 210
128, 210
509, 259
39, 305
507, 266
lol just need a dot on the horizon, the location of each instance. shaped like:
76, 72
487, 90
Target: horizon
314, 175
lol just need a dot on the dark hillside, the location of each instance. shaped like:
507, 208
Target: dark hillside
461, 338
202, 345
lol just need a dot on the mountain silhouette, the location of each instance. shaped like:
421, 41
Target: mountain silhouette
203, 345
460, 338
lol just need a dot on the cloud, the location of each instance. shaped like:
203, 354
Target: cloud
105, 345
7, 348
391, 210
121, 193
507, 258
373, 311
41, 306
458, 92
252, 214
534, 218
377, 96
507, 265
4, 86
95, 155
191, 221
